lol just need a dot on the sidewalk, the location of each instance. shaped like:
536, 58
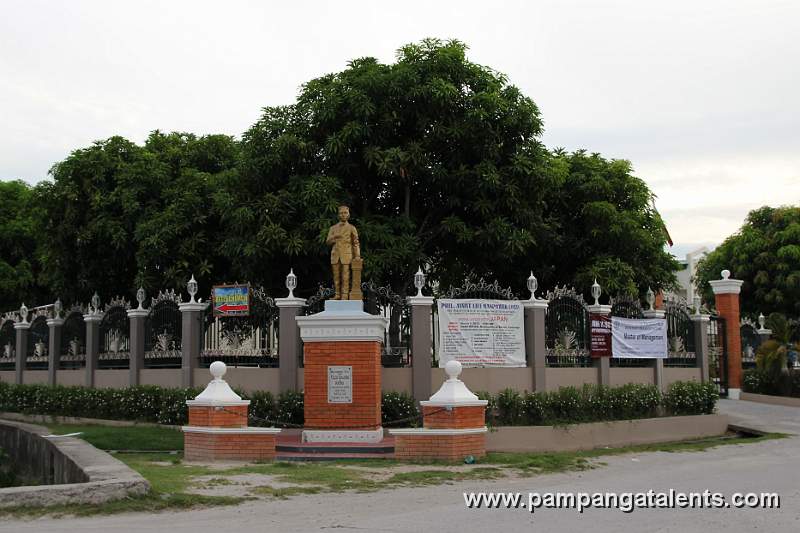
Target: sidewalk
760, 416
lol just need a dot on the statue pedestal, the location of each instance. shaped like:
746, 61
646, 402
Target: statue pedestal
342, 373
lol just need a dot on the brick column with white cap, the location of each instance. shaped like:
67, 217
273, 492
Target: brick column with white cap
453, 424
218, 429
726, 296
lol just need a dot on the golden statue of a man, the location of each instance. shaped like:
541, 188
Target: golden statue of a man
345, 250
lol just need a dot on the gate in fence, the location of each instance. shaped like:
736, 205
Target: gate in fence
750, 342
73, 340
38, 344
114, 349
8, 340
718, 354
163, 332
628, 305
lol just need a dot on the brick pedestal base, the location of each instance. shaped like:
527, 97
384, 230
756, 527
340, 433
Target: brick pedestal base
213, 444
364, 359
232, 416
449, 433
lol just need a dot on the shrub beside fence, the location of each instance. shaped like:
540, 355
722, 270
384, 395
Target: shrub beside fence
568, 405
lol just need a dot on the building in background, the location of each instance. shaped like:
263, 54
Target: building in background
688, 272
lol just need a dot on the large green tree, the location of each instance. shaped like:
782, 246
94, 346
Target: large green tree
19, 234
765, 253
119, 215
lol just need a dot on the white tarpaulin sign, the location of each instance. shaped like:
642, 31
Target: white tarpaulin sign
634, 337
481, 332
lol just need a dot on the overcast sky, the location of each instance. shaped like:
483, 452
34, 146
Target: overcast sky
703, 97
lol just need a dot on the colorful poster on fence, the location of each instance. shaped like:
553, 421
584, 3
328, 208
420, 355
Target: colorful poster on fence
601, 335
641, 338
481, 332
230, 300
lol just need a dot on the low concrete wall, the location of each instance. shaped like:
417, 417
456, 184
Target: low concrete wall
71, 377
7, 376
569, 377
34, 377
396, 380
113, 379
671, 375
76, 471
491, 380
601, 434
245, 378
622, 376
772, 400
163, 377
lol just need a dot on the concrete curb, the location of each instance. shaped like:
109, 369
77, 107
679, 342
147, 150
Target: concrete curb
106, 478
786, 401
48, 419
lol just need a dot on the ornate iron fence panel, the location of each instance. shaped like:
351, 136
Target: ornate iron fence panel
316, 303
628, 306
383, 301
718, 354
479, 290
680, 335
8, 345
115, 331
567, 329
73, 341
247, 341
750, 343
38, 344
163, 332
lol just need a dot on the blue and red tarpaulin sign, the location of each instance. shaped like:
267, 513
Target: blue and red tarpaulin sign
230, 300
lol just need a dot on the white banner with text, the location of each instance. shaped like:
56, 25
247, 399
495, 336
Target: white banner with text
640, 338
481, 333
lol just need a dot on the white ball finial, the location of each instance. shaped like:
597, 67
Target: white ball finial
726, 274
452, 369
218, 369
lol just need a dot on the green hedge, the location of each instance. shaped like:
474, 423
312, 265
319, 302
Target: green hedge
593, 403
568, 405
763, 382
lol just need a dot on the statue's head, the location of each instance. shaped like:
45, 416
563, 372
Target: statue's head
344, 213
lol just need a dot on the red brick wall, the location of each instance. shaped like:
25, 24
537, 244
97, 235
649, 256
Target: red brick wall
728, 308
444, 447
223, 417
457, 418
235, 447
365, 411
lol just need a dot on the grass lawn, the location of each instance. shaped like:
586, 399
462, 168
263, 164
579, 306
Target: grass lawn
177, 485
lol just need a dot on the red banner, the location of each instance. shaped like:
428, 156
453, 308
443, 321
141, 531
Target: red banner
601, 335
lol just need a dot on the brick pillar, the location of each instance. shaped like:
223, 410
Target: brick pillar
22, 330
342, 351
92, 321
421, 346
603, 364
658, 364
289, 344
701, 343
54, 349
726, 295
137, 319
191, 339
535, 348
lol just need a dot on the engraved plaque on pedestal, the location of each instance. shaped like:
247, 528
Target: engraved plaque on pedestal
340, 384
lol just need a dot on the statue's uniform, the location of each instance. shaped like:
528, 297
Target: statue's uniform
342, 253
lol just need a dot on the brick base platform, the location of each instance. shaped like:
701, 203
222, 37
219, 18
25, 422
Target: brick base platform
445, 445
224, 416
214, 444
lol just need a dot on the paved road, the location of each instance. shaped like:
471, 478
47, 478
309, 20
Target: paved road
772, 466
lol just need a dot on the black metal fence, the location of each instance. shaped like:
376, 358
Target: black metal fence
8, 340
243, 341
163, 332
680, 335
567, 329
73, 341
750, 343
718, 354
114, 349
38, 344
